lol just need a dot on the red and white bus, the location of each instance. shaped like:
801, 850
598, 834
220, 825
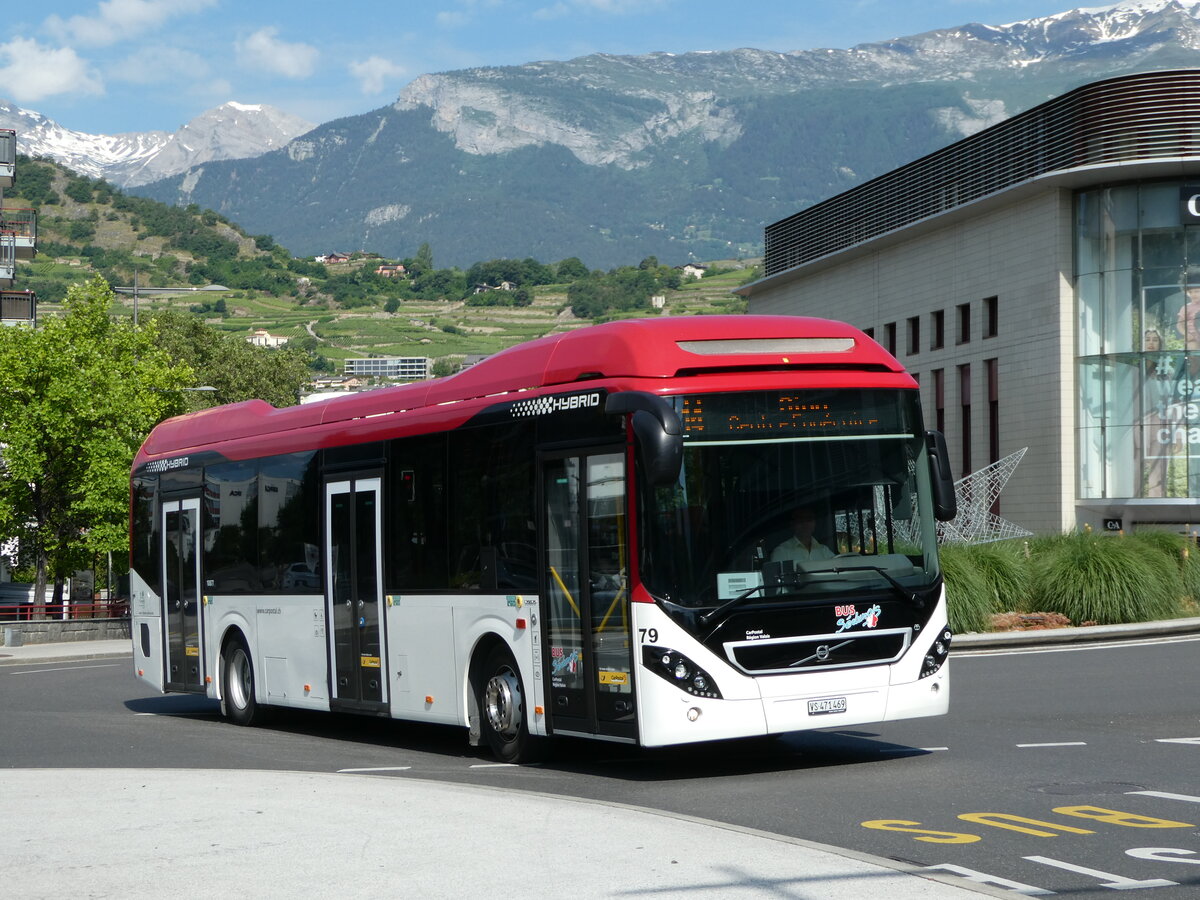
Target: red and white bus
583, 535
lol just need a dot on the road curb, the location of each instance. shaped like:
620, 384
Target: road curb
1073, 635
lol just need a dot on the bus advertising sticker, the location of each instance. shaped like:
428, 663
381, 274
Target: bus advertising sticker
849, 617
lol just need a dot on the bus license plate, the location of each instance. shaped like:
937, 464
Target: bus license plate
826, 706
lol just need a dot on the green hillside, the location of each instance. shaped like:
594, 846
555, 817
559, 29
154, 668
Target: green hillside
337, 311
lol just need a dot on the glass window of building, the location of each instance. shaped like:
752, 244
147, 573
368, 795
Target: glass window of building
1137, 293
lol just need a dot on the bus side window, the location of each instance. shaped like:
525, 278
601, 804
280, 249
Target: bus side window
416, 549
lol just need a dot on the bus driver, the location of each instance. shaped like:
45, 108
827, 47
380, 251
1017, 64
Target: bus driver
801, 546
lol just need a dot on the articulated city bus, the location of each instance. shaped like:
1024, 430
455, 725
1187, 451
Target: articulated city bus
651, 531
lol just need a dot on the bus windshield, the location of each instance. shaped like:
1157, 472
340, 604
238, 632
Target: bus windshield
800, 495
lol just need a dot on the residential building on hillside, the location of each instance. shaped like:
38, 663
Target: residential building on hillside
264, 338
1041, 280
391, 271
414, 368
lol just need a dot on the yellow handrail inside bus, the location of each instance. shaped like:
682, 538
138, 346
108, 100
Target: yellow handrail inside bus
566, 592
617, 599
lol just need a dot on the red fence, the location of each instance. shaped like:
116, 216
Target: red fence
87, 609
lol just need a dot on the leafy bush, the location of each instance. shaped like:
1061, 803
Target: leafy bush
1002, 565
1106, 580
1180, 551
969, 596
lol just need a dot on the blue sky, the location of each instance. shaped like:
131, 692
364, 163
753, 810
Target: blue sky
138, 65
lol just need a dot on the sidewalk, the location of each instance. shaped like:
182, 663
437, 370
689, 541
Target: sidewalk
136, 833
75, 650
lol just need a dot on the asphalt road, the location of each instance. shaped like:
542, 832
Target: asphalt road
1067, 770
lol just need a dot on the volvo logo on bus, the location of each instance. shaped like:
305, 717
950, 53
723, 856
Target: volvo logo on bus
544, 406
823, 652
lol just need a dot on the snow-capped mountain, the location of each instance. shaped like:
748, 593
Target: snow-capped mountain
611, 158
230, 131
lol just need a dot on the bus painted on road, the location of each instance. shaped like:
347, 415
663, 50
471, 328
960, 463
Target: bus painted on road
591, 534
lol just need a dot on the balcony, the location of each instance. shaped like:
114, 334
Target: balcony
8, 259
22, 225
8, 157
18, 308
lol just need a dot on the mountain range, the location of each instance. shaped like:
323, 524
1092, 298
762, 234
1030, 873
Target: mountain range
681, 156
230, 131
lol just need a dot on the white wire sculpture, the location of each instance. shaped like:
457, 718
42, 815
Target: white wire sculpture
977, 494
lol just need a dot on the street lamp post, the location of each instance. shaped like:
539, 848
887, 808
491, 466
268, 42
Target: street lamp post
137, 291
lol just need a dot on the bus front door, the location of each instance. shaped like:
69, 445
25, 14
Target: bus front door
181, 595
585, 583
354, 593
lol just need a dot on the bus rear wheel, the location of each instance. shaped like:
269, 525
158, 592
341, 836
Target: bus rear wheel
502, 721
237, 698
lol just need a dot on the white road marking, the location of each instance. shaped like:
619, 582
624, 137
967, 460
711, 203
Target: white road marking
65, 669
1165, 795
494, 766
376, 769
1056, 744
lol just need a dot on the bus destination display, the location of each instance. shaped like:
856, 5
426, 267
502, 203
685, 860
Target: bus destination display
765, 414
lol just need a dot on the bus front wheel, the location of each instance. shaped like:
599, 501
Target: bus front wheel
502, 721
237, 700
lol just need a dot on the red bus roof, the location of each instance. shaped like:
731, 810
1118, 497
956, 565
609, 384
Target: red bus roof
660, 348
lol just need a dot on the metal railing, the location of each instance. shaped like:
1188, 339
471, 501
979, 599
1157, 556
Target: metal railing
116, 608
18, 307
1133, 118
22, 223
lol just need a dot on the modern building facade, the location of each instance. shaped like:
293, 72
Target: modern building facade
1041, 278
412, 368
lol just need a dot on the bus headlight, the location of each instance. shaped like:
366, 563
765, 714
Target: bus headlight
935, 658
676, 668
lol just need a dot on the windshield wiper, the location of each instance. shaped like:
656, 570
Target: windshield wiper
730, 604
905, 594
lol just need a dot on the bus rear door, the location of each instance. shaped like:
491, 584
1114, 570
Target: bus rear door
585, 583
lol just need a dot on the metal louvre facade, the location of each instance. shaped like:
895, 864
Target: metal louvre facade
1149, 116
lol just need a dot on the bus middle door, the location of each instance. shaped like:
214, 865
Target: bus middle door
354, 592
181, 595
586, 586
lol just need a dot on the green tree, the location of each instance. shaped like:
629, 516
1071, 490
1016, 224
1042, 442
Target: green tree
571, 269
236, 369
78, 395
424, 259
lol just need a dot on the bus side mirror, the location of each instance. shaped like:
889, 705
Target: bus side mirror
945, 501
657, 430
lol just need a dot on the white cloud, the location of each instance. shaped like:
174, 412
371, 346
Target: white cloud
263, 50
158, 65
452, 18
373, 72
30, 72
121, 20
